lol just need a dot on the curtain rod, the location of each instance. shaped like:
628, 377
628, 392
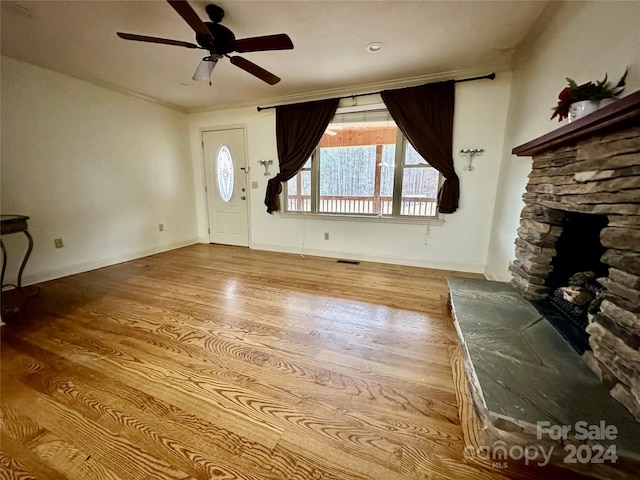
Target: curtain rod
491, 76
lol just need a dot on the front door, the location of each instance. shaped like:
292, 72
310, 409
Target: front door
226, 179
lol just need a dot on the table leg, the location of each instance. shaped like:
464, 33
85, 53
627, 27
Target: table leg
4, 263
25, 259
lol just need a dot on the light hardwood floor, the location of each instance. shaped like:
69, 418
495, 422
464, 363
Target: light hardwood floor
227, 363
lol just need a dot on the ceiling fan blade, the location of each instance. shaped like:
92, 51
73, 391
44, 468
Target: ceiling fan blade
166, 41
255, 70
190, 16
280, 41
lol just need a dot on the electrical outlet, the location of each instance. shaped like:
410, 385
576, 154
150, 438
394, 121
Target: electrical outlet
58, 242
326, 235
161, 227
254, 185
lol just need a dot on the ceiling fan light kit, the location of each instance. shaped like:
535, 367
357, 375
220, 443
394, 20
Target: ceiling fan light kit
206, 66
220, 42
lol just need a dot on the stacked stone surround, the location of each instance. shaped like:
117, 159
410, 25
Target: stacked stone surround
594, 169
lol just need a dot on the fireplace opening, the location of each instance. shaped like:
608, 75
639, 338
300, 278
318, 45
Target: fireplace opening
574, 291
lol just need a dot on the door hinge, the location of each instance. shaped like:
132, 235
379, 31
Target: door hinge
205, 189
202, 144
209, 231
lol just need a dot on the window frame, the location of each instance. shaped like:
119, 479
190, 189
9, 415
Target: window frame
399, 169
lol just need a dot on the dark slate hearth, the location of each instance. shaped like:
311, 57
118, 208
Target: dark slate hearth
521, 371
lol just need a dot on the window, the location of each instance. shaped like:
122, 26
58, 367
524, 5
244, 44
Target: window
224, 173
364, 166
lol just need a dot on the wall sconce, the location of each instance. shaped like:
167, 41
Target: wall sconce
265, 164
470, 153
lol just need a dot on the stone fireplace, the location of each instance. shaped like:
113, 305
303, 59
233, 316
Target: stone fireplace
582, 215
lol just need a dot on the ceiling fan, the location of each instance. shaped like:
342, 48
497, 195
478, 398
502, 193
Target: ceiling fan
219, 41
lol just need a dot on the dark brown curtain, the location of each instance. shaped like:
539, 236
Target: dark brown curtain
424, 114
298, 131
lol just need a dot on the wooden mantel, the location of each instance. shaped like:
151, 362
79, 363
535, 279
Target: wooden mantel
617, 114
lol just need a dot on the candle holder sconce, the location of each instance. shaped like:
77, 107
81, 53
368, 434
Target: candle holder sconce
265, 164
470, 153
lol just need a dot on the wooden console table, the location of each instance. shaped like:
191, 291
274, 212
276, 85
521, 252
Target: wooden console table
14, 224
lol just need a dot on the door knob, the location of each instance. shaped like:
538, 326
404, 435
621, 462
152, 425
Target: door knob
243, 197
244, 189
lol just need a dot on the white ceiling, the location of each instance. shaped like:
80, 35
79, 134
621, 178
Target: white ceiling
422, 39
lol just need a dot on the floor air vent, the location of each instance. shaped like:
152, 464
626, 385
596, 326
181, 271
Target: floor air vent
350, 262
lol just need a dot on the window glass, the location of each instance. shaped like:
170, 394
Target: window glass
224, 173
299, 190
411, 156
356, 165
387, 168
419, 191
347, 177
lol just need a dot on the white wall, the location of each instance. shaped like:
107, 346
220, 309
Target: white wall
461, 243
95, 167
581, 40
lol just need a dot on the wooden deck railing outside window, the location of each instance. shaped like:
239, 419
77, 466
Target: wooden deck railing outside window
368, 205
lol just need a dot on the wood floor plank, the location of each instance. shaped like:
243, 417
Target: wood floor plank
197, 445
12, 469
247, 401
304, 457
113, 451
199, 459
29, 463
305, 390
251, 359
176, 385
255, 352
223, 362
44, 454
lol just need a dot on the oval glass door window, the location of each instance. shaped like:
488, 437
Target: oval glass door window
224, 172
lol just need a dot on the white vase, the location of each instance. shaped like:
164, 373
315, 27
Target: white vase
580, 109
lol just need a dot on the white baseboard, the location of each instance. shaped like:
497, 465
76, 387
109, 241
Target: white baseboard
496, 275
52, 274
412, 262
488, 273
